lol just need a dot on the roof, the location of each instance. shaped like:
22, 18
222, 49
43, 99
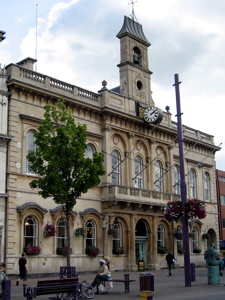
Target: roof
130, 27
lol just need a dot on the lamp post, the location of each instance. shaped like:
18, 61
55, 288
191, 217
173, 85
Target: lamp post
2, 37
187, 265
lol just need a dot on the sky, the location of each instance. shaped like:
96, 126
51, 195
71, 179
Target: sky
75, 41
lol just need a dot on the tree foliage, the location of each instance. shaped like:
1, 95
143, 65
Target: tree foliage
59, 158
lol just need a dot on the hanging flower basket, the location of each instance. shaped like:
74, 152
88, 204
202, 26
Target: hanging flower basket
197, 250
118, 250
178, 235
195, 208
49, 230
191, 235
112, 232
32, 250
80, 232
205, 236
173, 211
92, 251
62, 250
162, 250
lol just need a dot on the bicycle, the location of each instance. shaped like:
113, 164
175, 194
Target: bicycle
83, 291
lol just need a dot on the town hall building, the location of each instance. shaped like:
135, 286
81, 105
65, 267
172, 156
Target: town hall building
123, 216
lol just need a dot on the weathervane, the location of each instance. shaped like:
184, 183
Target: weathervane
133, 15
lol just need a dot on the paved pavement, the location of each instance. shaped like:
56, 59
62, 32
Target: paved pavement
166, 287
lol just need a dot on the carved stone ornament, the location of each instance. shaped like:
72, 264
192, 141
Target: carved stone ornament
106, 128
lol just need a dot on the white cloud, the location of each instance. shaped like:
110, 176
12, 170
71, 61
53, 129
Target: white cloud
77, 43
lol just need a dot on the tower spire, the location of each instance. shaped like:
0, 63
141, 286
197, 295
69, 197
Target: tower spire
134, 18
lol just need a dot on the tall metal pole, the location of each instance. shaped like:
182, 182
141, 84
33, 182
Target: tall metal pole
187, 265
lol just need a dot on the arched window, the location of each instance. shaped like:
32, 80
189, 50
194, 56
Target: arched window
89, 153
177, 180
30, 231
195, 238
91, 233
192, 183
158, 176
30, 147
61, 233
138, 166
160, 236
179, 236
117, 239
115, 168
207, 186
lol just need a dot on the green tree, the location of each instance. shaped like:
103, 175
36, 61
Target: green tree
59, 160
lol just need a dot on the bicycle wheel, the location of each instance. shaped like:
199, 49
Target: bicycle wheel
87, 290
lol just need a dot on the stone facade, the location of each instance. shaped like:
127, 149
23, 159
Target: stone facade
4, 139
141, 160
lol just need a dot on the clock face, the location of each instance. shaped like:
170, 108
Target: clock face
151, 114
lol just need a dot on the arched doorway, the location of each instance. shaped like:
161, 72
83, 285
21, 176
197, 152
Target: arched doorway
212, 238
141, 237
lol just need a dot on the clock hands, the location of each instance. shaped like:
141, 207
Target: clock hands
153, 111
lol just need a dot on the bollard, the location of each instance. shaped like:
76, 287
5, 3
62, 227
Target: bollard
146, 282
6, 289
192, 272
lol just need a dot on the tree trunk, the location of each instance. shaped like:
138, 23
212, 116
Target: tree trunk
68, 234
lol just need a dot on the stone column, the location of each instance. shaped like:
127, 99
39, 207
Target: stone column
154, 243
130, 172
132, 266
105, 242
108, 159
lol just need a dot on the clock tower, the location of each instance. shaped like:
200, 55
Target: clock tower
134, 70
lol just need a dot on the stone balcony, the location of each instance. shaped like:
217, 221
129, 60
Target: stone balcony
129, 196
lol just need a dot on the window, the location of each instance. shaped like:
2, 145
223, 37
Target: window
161, 233
221, 178
138, 172
30, 147
117, 239
30, 231
195, 237
179, 230
222, 198
192, 184
61, 233
91, 233
207, 186
89, 153
115, 168
176, 180
158, 177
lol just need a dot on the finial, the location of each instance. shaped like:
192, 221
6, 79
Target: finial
133, 15
167, 109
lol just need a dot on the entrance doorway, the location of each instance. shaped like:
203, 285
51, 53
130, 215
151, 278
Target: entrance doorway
141, 238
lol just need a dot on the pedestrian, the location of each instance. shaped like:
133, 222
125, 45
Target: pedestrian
101, 275
108, 264
2, 276
23, 269
170, 261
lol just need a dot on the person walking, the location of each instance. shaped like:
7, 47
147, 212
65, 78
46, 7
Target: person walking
170, 260
23, 269
101, 275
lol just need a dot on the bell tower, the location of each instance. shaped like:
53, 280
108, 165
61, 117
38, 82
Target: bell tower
134, 70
